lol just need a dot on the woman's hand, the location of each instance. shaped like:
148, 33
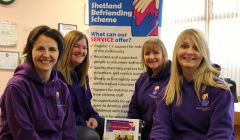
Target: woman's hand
92, 123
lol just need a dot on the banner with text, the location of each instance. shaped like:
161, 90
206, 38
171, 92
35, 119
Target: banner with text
117, 30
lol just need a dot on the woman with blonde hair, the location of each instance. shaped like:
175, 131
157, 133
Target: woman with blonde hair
156, 64
74, 71
196, 103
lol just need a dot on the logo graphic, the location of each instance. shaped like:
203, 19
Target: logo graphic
145, 19
205, 100
155, 92
205, 106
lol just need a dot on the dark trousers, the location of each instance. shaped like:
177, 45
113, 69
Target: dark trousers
86, 133
100, 128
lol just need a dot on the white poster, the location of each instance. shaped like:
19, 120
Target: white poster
117, 32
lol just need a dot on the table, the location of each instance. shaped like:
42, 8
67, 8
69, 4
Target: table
237, 120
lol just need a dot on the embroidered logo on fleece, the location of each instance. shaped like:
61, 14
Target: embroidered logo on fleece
155, 92
58, 101
204, 102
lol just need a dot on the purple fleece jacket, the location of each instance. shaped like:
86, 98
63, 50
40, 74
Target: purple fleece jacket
143, 102
81, 101
33, 110
210, 118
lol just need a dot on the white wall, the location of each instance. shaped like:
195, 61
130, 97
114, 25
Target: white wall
30, 13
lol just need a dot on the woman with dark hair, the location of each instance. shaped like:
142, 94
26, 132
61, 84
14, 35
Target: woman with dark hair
74, 70
36, 104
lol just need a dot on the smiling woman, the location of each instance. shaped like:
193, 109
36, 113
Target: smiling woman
74, 71
156, 65
224, 18
44, 56
36, 93
198, 90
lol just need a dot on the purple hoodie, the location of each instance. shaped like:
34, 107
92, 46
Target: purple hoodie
207, 118
142, 105
33, 110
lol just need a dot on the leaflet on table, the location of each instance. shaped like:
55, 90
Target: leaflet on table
121, 129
